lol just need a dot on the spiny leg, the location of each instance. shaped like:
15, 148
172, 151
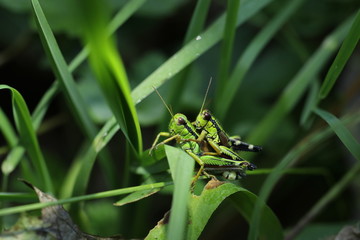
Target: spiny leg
162, 134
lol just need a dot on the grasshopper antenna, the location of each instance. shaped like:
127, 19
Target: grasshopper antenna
167, 107
207, 90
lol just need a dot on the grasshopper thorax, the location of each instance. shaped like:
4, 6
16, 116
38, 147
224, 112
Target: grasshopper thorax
202, 119
179, 124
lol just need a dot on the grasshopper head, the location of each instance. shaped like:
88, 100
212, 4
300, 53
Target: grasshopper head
202, 119
178, 123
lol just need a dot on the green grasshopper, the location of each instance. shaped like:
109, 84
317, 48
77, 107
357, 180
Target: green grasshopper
181, 130
210, 129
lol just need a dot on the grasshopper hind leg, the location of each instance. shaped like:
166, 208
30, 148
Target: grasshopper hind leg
201, 169
237, 144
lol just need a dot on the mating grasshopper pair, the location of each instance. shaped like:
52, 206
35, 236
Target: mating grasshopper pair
208, 144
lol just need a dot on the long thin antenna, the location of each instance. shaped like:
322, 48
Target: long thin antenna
207, 90
167, 107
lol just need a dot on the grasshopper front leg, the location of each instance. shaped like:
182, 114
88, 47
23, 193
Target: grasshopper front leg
163, 134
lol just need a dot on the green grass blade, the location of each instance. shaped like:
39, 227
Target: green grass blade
120, 17
136, 196
66, 81
311, 102
124, 14
195, 27
7, 130
227, 44
197, 20
61, 71
286, 162
298, 85
18, 196
42, 106
79, 173
28, 137
342, 57
110, 72
100, 195
193, 50
182, 168
12, 160
342, 132
251, 52
325, 200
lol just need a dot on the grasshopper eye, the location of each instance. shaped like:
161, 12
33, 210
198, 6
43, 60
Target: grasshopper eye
181, 121
207, 116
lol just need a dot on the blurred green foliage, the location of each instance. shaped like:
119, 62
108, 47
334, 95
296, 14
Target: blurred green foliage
286, 48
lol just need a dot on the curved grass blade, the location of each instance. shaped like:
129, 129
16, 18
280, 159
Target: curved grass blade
28, 137
42, 106
193, 50
110, 72
325, 200
343, 55
182, 169
293, 156
66, 81
62, 72
7, 130
78, 176
297, 86
232, 10
13, 159
342, 132
195, 27
245, 61
122, 15
311, 102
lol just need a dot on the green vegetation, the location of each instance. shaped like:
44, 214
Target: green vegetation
78, 115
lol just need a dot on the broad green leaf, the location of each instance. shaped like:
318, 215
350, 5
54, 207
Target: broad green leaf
342, 57
202, 207
182, 169
28, 137
342, 132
